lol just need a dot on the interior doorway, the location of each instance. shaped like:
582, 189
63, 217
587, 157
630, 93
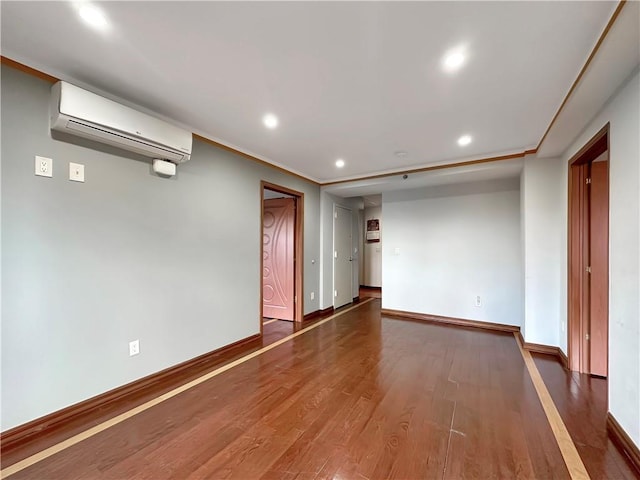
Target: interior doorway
281, 251
372, 243
588, 257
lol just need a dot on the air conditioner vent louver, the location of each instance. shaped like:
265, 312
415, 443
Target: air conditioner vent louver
82, 113
113, 138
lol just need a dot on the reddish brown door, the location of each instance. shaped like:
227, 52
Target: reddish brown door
588, 280
578, 262
599, 260
278, 258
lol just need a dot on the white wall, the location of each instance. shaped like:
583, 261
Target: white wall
373, 251
455, 242
541, 194
87, 267
623, 113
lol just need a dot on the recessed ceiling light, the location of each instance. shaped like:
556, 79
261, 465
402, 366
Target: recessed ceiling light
401, 154
93, 16
464, 140
270, 121
339, 163
453, 60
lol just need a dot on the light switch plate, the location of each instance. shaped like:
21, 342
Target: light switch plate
44, 166
76, 172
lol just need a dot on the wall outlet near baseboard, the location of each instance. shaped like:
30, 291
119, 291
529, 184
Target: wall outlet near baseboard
478, 301
134, 348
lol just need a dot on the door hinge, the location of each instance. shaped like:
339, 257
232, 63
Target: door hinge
587, 269
588, 181
295, 299
586, 337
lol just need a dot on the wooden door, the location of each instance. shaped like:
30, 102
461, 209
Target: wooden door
578, 262
588, 279
278, 288
599, 266
342, 257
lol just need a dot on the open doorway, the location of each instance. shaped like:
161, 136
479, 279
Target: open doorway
588, 257
281, 250
371, 284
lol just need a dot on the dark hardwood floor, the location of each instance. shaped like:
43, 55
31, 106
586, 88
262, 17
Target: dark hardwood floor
272, 333
581, 401
370, 292
358, 397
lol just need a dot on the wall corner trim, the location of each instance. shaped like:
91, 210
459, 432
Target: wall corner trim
459, 322
623, 441
27, 69
574, 85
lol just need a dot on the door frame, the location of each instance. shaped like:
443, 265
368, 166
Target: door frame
298, 248
578, 291
333, 255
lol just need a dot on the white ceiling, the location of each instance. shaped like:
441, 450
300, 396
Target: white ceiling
355, 80
481, 172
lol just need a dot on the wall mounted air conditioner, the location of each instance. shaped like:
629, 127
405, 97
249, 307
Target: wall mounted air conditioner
79, 112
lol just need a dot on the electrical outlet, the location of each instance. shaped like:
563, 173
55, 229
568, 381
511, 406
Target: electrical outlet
313, 295
478, 301
134, 348
44, 166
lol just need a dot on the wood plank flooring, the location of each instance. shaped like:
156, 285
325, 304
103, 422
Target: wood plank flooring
272, 334
581, 401
358, 397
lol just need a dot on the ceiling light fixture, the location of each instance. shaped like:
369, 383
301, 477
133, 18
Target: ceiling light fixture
453, 60
339, 163
270, 121
464, 140
93, 16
